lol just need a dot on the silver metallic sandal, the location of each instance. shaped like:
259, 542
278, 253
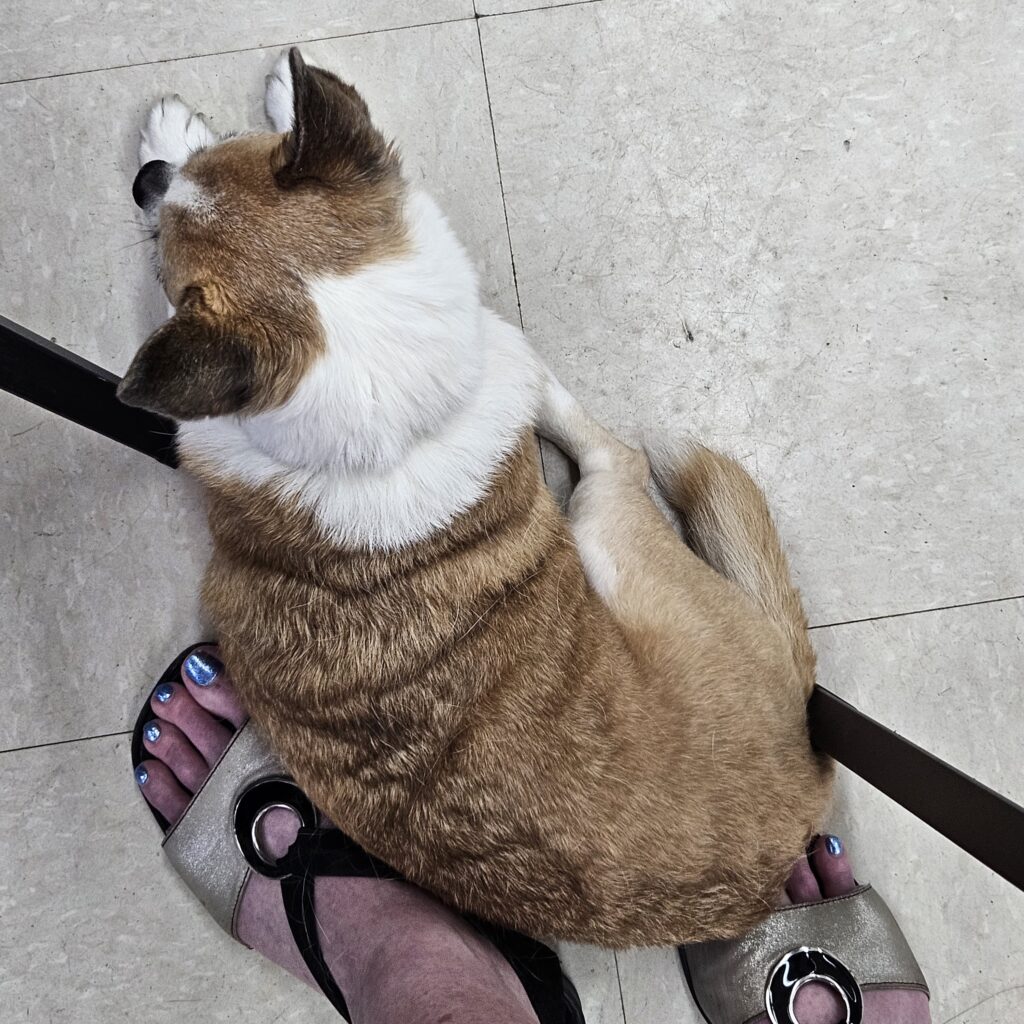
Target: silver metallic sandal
215, 847
851, 943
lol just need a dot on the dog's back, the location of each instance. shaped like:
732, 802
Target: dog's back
470, 711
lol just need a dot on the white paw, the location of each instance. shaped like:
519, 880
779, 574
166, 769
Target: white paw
279, 101
173, 133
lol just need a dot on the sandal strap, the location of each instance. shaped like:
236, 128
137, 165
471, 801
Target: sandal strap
329, 852
317, 852
202, 845
728, 978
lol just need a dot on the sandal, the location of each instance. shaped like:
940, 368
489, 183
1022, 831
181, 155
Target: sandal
214, 846
850, 943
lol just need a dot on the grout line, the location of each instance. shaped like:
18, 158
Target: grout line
61, 743
501, 183
545, 7
476, 16
919, 611
618, 980
240, 49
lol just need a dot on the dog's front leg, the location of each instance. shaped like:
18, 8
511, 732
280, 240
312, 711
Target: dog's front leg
173, 132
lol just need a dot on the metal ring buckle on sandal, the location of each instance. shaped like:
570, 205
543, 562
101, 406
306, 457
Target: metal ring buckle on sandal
254, 804
805, 964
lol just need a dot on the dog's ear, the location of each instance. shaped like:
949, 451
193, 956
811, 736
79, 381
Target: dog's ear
189, 368
332, 140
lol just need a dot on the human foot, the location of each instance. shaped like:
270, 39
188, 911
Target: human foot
395, 952
825, 873
828, 927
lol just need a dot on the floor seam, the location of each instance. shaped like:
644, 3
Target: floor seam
618, 981
919, 611
545, 7
240, 49
62, 743
501, 181
476, 16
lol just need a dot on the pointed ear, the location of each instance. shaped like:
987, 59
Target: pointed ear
332, 139
190, 368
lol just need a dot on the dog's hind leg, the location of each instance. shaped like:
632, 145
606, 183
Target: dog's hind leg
624, 542
733, 576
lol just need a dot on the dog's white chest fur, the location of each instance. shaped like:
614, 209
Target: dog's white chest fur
399, 426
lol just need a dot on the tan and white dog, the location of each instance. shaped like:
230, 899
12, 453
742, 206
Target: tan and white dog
584, 729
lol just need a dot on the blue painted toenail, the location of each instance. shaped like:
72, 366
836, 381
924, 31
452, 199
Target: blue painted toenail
834, 845
202, 668
164, 692
141, 775
152, 732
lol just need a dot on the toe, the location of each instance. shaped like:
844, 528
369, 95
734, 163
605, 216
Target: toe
209, 683
831, 865
171, 702
802, 886
164, 740
162, 789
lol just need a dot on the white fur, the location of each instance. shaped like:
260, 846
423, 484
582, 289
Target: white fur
598, 562
173, 132
278, 99
184, 192
401, 425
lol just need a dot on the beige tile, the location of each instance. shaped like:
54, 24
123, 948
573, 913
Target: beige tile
947, 680
97, 928
50, 37
654, 989
596, 977
488, 7
99, 584
827, 199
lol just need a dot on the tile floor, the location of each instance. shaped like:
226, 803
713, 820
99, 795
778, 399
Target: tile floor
794, 230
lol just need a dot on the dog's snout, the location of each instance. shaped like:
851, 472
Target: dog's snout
151, 183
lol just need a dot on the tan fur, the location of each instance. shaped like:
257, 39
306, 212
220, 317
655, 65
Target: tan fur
471, 712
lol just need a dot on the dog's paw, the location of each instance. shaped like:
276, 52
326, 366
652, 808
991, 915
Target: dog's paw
173, 132
279, 100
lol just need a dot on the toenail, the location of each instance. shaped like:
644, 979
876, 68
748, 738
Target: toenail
141, 775
164, 692
152, 732
834, 845
202, 668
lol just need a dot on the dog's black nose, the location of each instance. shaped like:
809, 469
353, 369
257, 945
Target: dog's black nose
151, 182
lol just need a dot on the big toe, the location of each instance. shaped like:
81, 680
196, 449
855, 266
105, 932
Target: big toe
832, 867
209, 683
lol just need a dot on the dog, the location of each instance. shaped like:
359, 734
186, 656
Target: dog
576, 726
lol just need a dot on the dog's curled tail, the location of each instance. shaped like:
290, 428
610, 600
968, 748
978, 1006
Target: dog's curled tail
728, 525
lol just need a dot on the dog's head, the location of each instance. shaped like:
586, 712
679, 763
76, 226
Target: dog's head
243, 226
